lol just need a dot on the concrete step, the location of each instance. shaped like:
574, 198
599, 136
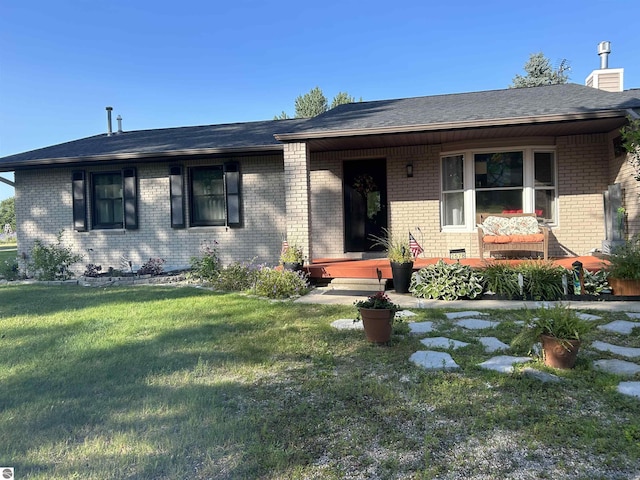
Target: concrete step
358, 284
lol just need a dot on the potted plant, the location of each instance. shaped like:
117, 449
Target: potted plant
560, 330
377, 313
624, 268
292, 258
399, 255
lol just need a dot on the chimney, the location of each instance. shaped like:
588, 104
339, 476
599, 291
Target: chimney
607, 79
109, 130
119, 120
604, 49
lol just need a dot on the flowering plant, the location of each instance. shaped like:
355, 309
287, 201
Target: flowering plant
378, 301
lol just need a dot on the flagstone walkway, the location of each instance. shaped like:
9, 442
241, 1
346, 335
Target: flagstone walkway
437, 356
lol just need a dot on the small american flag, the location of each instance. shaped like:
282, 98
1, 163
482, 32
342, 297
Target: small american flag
414, 246
285, 247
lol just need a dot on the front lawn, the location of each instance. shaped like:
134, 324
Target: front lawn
183, 383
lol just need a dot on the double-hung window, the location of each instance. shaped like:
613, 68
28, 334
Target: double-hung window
498, 181
213, 195
113, 199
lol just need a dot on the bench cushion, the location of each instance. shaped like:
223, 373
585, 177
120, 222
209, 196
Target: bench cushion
531, 238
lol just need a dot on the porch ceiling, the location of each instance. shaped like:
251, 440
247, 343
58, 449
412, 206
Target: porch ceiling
431, 137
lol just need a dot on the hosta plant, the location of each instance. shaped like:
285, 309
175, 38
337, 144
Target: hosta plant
443, 281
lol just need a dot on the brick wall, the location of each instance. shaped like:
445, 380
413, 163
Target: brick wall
43, 208
297, 195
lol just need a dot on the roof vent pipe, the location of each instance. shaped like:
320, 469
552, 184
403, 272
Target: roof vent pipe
119, 119
604, 49
109, 130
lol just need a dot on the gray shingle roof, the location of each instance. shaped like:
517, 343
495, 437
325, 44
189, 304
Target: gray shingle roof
488, 106
250, 136
497, 106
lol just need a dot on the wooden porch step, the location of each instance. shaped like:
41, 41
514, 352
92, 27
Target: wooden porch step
358, 284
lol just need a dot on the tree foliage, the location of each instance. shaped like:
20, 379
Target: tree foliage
311, 104
540, 72
8, 213
314, 103
631, 142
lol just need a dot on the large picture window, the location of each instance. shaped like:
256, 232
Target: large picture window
510, 181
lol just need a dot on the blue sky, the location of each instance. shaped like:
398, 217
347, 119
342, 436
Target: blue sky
166, 64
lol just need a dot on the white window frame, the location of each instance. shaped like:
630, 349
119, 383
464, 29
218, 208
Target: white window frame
529, 189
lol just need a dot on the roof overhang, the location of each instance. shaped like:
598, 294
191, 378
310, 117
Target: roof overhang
168, 156
442, 133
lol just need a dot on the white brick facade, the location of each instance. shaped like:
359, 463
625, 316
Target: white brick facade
44, 207
299, 195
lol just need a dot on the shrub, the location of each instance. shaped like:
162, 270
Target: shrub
208, 266
596, 282
52, 262
446, 282
501, 279
153, 266
542, 280
10, 269
236, 277
92, 270
274, 283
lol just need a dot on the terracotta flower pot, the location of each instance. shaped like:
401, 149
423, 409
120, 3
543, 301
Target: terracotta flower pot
377, 324
559, 353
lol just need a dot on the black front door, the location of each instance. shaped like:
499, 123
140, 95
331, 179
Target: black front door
365, 203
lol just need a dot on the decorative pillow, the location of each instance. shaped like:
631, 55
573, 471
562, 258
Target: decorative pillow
523, 226
493, 225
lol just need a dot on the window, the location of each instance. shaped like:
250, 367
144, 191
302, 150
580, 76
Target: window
512, 181
214, 195
499, 182
114, 199
453, 190
107, 200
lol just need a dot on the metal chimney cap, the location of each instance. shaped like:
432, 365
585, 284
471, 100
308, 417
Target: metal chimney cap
604, 47
108, 108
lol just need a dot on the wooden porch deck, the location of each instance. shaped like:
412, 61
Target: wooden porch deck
329, 268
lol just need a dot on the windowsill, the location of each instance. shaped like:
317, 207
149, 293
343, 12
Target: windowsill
110, 231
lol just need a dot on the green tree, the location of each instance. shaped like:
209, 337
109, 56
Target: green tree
314, 103
540, 72
341, 98
631, 143
311, 104
8, 213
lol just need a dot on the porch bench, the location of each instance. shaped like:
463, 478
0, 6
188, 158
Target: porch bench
512, 232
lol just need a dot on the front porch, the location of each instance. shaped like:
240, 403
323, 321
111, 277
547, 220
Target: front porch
326, 269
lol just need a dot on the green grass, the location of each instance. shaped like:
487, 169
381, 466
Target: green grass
166, 383
7, 252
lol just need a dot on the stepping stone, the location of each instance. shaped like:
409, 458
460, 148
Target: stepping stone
633, 315
421, 327
434, 360
544, 377
503, 363
477, 323
455, 315
629, 388
405, 314
620, 326
347, 324
588, 316
492, 344
629, 352
619, 367
442, 342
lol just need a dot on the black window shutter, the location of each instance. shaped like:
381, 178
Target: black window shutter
232, 190
79, 197
130, 193
176, 197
